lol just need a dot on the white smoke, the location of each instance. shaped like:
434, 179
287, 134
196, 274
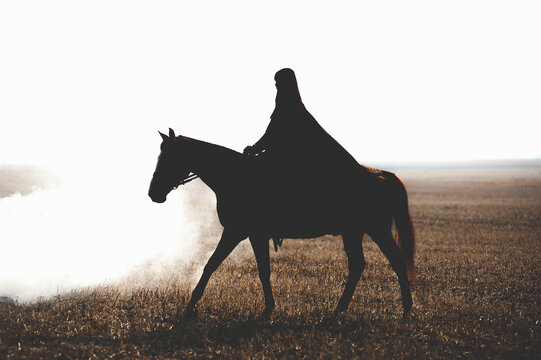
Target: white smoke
98, 228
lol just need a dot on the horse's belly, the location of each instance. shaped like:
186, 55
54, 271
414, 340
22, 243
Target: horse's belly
307, 222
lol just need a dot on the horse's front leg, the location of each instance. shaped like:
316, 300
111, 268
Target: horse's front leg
228, 242
261, 252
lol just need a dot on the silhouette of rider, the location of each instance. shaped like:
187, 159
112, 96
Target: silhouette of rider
295, 142
298, 156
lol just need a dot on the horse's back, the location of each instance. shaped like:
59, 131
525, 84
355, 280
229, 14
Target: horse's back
280, 204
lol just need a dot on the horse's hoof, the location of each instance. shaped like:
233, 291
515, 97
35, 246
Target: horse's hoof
336, 313
269, 307
407, 311
340, 308
267, 313
189, 313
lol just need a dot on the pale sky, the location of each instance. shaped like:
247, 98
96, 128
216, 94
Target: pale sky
390, 80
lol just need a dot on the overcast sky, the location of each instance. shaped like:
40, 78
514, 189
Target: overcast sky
390, 80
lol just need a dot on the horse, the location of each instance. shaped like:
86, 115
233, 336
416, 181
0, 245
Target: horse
249, 205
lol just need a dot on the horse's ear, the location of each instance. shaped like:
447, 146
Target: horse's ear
172, 134
164, 137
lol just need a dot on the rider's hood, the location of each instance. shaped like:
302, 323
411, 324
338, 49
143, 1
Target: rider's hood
287, 88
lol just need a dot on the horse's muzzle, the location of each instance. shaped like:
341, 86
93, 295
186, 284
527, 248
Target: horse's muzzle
157, 199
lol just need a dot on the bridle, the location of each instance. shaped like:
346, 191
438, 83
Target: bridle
186, 180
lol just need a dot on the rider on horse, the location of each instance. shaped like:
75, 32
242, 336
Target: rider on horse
294, 133
296, 144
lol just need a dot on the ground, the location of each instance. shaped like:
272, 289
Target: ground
478, 292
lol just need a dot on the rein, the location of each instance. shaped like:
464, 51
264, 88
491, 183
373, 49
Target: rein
187, 180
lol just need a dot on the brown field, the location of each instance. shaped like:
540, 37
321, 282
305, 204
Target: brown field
478, 295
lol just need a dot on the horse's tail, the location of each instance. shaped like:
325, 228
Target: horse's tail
404, 226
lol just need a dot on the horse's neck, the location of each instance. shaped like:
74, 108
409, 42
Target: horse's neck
214, 164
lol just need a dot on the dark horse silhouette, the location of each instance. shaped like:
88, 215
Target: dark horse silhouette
249, 205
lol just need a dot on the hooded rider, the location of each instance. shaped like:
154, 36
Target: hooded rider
298, 154
294, 140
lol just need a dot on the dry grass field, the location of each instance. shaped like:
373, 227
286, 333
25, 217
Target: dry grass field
478, 294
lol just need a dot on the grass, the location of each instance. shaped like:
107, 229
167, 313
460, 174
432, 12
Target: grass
478, 294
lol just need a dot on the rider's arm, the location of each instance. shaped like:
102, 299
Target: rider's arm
265, 142
261, 144
258, 147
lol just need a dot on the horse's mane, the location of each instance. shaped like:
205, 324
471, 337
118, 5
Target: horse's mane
218, 148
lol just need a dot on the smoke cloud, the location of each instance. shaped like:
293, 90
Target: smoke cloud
99, 227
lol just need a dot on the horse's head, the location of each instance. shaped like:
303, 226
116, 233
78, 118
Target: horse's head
171, 171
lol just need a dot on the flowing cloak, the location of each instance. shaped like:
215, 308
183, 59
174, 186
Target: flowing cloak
294, 136
295, 143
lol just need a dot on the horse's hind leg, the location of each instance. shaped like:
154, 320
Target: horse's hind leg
389, 248
227, 243
353, 247
261, 252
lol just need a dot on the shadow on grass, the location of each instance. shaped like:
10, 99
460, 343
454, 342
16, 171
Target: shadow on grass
212, 333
